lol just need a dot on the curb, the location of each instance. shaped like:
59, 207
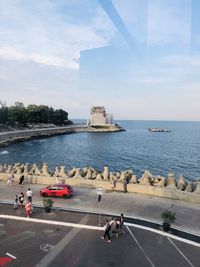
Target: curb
138, 222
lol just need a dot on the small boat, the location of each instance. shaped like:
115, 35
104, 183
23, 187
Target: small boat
158, 130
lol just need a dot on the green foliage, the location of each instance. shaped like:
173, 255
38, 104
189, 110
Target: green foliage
168, 216
47, 202
60, 117
18, 115
3, 115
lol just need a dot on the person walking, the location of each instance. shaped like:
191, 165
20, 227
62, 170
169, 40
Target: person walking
121, 224
29, 195
16, 202
21, 199
117, 228
21, 181
12, 179
125, 185
107, 230
113, 184
113, 226
9, 181
28, 208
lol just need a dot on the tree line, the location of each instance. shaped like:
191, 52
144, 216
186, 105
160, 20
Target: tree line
19, 115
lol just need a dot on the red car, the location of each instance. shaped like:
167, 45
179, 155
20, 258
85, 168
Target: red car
57, 190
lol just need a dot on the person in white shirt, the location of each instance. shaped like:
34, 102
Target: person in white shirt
29, 195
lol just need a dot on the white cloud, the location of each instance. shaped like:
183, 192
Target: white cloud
169, 21
41, 32
10, 53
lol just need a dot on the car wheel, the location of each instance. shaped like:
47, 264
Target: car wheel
66, 196
44, 195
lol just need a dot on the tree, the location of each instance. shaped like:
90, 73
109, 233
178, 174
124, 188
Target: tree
17, 114
60, 117
3, 115
33, 116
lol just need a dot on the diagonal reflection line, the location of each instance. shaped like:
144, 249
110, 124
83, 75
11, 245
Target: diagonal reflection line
117, 21
61, 245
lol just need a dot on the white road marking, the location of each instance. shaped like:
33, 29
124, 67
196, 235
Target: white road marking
193, 243
46, 247
76, 225
91, 227
10, 255
141, 248
188, 261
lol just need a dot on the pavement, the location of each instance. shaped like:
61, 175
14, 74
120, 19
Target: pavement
70, 234
134, 205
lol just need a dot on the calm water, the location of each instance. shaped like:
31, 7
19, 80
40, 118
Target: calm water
136, 148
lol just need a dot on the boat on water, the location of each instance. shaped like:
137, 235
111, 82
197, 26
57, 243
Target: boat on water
159, 130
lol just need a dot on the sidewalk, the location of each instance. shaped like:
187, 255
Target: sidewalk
130, 204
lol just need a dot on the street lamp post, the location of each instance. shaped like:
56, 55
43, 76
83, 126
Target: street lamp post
99, 194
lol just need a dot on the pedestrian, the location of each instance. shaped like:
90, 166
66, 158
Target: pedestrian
21, 180
113, 225
117, 228
12, 179
113, 184
16, 202
9, 181
121, 224
107, 230
29, 195
21, 199
125, 185
28, 208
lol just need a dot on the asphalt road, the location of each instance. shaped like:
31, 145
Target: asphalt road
25, 243
134, 205
39, 244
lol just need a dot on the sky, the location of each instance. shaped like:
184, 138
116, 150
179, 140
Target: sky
140, 59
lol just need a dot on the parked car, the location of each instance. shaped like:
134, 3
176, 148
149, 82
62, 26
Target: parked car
57, 190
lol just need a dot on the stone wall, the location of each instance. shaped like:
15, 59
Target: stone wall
90, 178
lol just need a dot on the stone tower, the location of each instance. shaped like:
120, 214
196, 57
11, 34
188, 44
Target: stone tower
99, 117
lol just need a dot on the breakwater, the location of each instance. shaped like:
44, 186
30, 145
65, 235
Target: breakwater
149, 184
12, 137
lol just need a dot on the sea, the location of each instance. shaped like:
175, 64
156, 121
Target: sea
135, 149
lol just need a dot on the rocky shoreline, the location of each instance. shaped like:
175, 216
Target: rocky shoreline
155, 185
12, 137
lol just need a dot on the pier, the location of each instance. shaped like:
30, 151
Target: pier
11, 137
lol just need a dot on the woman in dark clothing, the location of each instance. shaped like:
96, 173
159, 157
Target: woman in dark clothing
21, 180
107, 230
121, 223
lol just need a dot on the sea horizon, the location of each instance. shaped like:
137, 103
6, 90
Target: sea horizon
136, 148
116, 120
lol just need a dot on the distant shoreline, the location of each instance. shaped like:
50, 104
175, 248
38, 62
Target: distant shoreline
11, 137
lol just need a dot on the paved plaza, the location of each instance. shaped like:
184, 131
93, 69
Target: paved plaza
67, 238
37, 244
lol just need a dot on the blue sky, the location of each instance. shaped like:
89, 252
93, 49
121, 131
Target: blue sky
138, 58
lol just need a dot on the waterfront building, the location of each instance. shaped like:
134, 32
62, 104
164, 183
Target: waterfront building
99, 117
